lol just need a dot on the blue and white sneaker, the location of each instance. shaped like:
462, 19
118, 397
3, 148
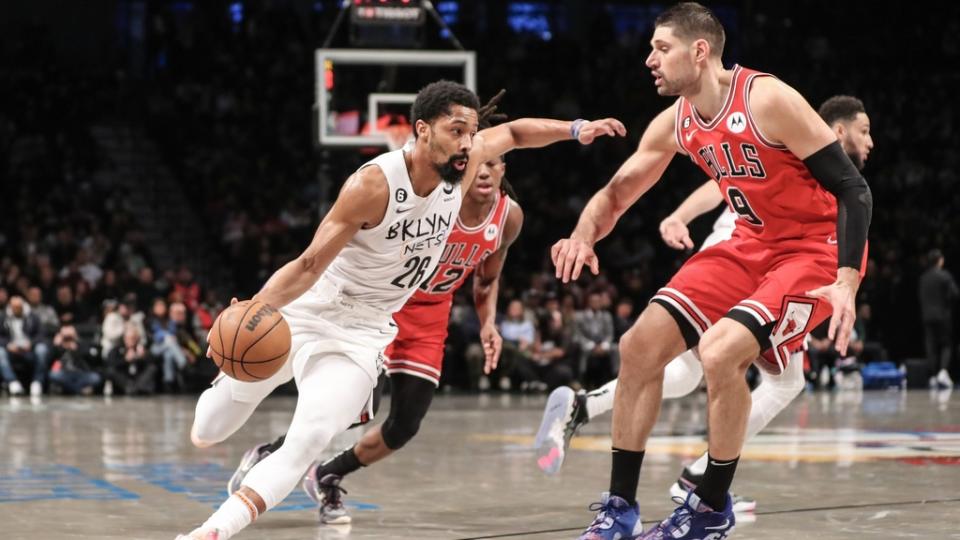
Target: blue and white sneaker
616, 520
689, 482
694, 520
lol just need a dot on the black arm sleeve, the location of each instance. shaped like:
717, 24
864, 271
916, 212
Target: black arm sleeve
832, 167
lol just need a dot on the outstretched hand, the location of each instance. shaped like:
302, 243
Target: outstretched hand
569, 256
610, 127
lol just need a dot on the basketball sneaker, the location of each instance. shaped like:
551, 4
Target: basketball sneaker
200, 534
694, 520
250, 458
689, 481
326, 493
616, 520
563, 416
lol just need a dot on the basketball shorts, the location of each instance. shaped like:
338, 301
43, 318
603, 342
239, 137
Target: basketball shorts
761, 285
418, 347
324, 323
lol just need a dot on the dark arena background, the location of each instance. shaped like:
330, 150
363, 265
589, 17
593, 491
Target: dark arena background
158, 158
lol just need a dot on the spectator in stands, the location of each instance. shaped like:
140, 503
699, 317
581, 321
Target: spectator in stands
146, 289
623, 318
188, 288
593, 329
70, 370
938, 292
49, 321
65, 305
518, 335
21, 341
551, 363
164, 344
130, 369
116, 321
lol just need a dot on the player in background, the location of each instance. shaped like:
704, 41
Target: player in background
797, 252
567, 411
383, 236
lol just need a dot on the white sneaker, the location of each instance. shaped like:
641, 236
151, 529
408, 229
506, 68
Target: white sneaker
15, 388
943, 378
36, 389
484, 383
108, 389
505, 384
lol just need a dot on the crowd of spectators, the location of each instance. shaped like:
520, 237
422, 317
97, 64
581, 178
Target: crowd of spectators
229, 102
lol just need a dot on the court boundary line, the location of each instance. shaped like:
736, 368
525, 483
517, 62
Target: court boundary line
768, 513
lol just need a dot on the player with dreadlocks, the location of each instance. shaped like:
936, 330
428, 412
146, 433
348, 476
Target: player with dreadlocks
489, 221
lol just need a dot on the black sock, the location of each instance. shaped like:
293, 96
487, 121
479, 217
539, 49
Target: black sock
341, 464
625, 474
716, 482
275, 445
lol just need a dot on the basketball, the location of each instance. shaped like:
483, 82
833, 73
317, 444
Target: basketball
250, 341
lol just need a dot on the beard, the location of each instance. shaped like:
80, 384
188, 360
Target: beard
448, 172
857, 160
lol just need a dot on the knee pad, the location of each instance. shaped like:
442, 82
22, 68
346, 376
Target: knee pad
398, 430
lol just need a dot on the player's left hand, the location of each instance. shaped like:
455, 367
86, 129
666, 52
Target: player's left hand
492, 344
841, 294
607, 126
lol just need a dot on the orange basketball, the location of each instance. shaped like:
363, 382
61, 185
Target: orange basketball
250, 341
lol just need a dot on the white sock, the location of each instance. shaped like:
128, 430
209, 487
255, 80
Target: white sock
232, 516
601, 400
772, 396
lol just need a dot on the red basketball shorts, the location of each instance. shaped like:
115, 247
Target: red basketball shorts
418, 348
761, 285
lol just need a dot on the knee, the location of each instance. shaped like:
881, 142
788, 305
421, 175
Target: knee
719, 368
398, 431
203, 436
640, 358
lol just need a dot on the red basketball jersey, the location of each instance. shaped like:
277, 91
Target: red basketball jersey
763, 182
466, 248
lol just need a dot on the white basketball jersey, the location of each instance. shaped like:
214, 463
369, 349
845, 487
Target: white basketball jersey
381, 267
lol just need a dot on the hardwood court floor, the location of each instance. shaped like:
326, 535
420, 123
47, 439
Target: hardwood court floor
832, 466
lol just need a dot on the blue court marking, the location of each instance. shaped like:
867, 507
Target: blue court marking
207, 483
56, 482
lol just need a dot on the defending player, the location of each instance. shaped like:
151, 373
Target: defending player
804, 211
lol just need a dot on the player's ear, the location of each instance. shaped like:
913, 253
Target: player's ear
701, 50
423, 129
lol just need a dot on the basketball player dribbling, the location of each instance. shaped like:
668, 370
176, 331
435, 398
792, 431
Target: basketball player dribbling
383, 236
489, 222
805, 211
567, 411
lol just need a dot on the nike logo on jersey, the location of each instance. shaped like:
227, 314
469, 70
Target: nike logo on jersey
690, 135
832, 240
404, 209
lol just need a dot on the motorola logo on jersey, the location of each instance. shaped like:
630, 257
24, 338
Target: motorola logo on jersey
491, 232
401, 195
737, 122
448, 188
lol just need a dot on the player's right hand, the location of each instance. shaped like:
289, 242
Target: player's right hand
569, 255
209, 350
675, 233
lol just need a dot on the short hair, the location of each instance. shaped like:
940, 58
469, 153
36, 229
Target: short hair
436, 98
840, 109
691, 20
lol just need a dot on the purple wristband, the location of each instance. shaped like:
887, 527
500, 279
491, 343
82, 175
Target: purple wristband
575, 127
